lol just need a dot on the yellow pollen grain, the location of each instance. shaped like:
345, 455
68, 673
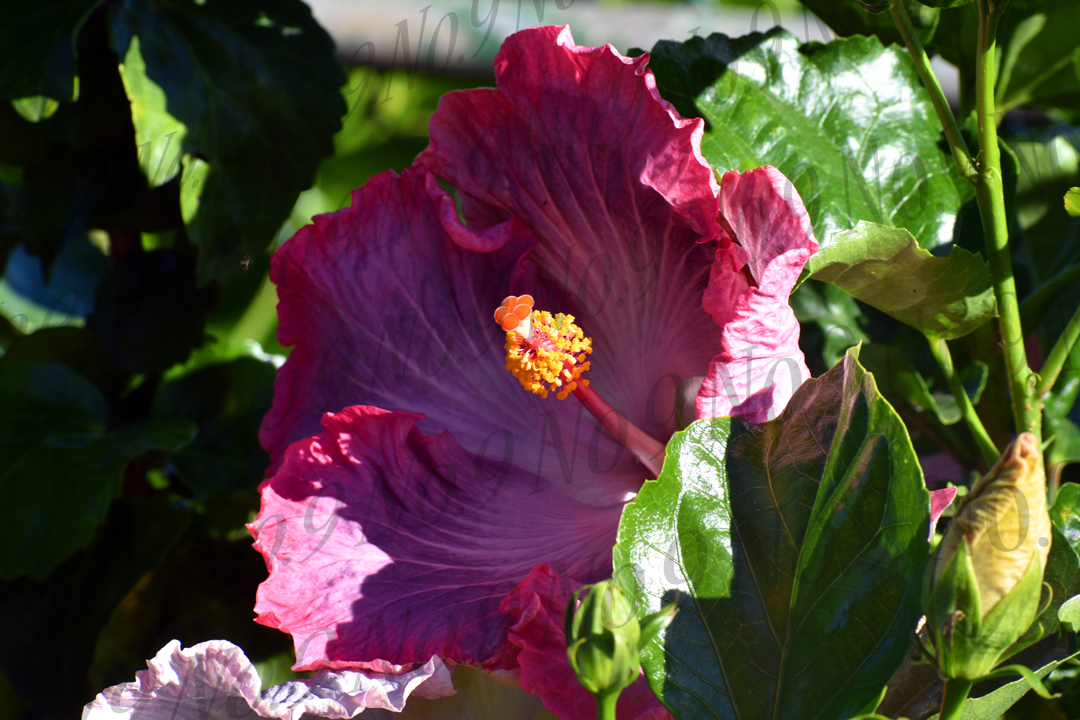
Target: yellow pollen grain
554, 360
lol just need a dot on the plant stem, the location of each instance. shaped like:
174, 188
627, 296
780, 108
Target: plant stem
941, 353
956, 693
605, 705
1056, 361
989, 189
960, 151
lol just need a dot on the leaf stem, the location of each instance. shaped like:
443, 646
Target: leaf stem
960, 151
940, 349
989, 190
1056, 361
956, 693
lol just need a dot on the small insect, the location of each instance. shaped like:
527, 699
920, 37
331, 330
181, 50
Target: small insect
245, 262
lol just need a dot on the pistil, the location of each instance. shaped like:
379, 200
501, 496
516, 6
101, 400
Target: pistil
546, 353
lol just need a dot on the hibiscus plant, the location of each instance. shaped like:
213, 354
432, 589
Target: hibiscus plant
734, 379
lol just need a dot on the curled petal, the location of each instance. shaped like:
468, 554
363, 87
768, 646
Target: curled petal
539, 604
386, 544
215, 681
760, 364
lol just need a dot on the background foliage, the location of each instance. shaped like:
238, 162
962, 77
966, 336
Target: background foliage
153, 154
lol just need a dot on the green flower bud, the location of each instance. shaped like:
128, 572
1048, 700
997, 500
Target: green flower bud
604, 637
987, 580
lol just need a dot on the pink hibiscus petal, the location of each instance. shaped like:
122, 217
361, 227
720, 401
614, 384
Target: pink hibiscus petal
386, 544
214, 680
538, 604
387, 305
578, 145
760, 364
939, 501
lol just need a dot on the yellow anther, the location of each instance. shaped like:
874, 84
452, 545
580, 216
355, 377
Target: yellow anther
551, 356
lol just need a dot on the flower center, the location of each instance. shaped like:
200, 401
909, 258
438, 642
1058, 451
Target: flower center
546, 353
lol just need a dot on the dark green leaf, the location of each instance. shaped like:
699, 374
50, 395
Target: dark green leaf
50, 627
1065, 447
846, 19
1038, 55
805, 110
150, 314
37, 48
898, 380
76, 347
884, 267
792, 546
836, 324
243, 98
60, 468
227, 400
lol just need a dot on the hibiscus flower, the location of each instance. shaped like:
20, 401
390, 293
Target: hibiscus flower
441, 480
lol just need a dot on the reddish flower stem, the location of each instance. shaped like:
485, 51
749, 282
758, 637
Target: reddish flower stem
648, 450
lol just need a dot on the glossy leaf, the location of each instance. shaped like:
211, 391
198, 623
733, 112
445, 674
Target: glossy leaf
61, 469
248, 88
849, 123
884, 267
791, 546
37, 48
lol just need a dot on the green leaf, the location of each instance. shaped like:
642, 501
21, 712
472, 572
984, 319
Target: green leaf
836, 323
884, 267
993, 705
899, 380
1038, 55
846, 19
51, 628
1065, 447
973, 377
807, 110
60, 468
244, 93
1069, 614
1072, 201
37, 48
791, 546
1065, 514
226, 397
149, 312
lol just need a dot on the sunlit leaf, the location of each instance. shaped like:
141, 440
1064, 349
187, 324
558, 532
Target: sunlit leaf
791, 546
848, 122
884, 267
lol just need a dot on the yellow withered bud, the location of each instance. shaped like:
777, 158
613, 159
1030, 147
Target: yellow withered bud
987, 580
